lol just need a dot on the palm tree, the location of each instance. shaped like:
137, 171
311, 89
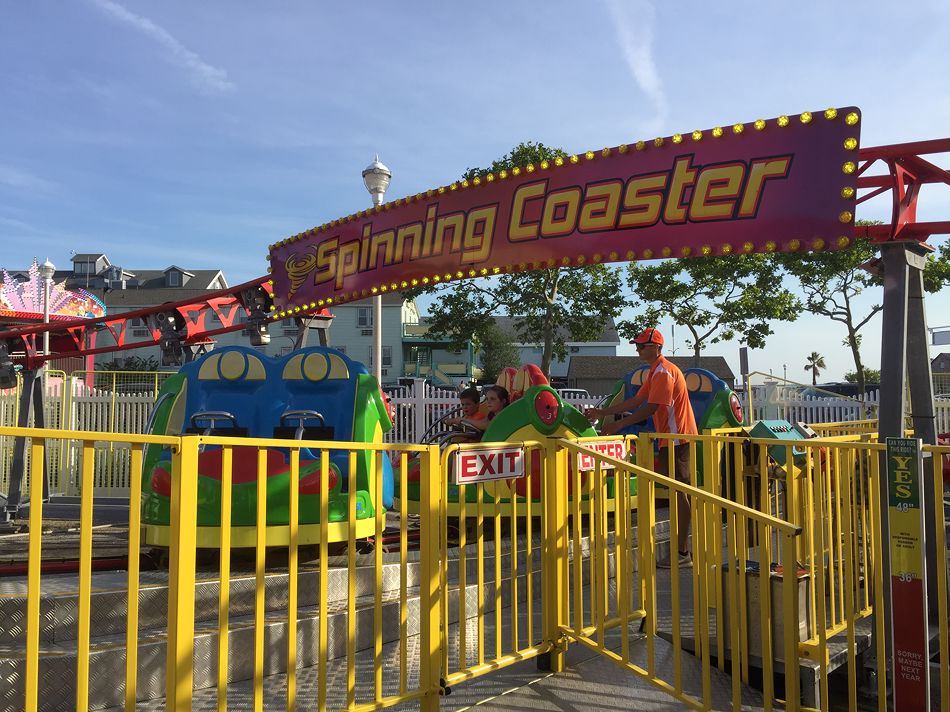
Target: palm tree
816, 363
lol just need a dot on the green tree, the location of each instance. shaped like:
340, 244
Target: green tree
114, 374
871, 375
715, 298
831, 282
497, 352
549, 307
815, 363
131, 363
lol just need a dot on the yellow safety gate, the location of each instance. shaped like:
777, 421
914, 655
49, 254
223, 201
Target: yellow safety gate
785, 567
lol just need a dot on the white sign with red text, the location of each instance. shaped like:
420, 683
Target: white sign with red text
613, 448
484, 464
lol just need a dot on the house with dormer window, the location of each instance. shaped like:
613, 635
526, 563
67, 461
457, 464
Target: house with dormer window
177, 277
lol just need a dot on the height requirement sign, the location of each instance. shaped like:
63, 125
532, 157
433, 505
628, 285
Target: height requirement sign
780, 185
905, 524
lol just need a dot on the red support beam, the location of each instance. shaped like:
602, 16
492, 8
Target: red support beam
906, 173
190, 315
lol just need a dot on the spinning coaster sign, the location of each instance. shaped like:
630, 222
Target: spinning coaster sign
786, 184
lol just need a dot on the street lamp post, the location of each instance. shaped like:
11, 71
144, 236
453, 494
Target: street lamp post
47, 270
376, 178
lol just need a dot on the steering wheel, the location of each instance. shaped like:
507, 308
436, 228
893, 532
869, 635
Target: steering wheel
438, 428
462, 433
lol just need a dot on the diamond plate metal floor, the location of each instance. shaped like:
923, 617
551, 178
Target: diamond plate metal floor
589, 682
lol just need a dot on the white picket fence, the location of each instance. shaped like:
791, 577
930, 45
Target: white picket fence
70, 404
813, 409
73, 405
418, 407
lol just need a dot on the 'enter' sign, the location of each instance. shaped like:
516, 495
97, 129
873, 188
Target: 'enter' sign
613, 448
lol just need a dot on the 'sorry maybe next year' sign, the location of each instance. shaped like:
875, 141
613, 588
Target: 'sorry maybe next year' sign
905, 525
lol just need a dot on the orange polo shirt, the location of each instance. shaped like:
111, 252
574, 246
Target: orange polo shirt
666, 388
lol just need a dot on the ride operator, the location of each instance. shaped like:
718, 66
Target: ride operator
664, 396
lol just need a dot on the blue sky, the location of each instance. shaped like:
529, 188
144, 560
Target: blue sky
199, 133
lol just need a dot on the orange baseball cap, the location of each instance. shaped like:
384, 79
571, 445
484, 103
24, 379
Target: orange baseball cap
649, 336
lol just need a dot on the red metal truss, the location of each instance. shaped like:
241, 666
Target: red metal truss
77, 337
906, 173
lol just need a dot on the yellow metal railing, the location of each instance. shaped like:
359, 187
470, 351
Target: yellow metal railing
845, 427
830, 488
499, 563
361, 576
514, 580
640, 583
370, 690
40, 441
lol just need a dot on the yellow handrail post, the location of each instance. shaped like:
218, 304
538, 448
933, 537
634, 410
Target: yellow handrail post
35, 565
430, 662
791, 622
181, 576
646, 535
554, 601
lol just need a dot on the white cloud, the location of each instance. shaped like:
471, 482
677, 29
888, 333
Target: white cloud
633, 22
13, 177
204, 75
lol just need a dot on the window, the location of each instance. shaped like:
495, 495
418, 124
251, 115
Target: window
387, 356
174, 279
138, 327
364, 317
84, 267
